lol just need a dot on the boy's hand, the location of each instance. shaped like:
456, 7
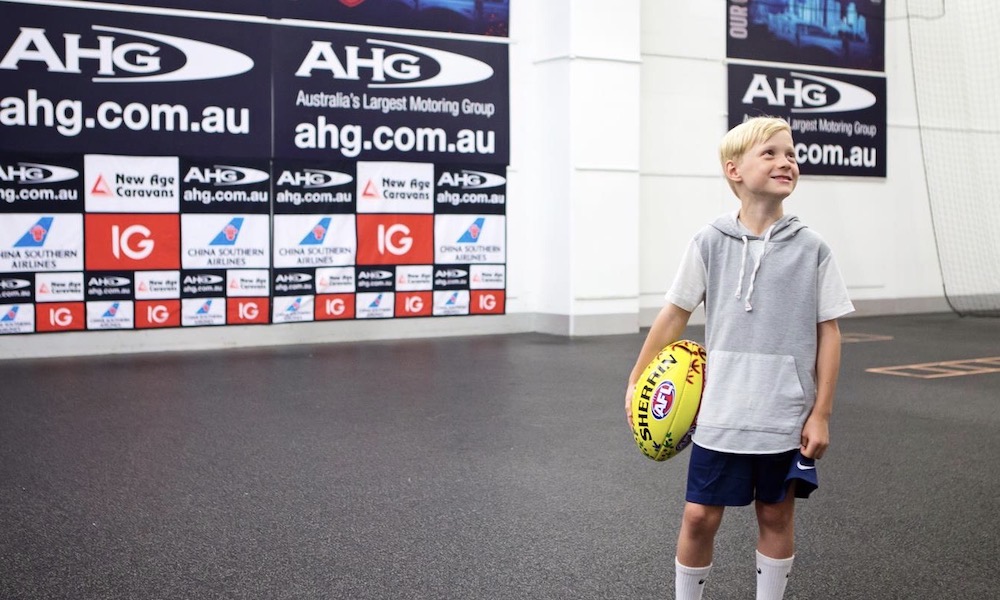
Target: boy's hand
815, 436
629, 390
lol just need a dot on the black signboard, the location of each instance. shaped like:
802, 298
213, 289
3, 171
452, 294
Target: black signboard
847, 34
479, 17
838, 121
33, 183
92, 81
365, 96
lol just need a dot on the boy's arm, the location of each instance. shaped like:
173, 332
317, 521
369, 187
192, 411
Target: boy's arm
666, 329
816, 431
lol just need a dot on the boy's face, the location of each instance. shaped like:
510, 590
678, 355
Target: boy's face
767, 169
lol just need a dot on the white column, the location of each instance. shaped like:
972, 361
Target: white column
581, 168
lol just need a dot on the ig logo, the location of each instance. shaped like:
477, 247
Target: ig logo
60, 317
121, 242
395, 239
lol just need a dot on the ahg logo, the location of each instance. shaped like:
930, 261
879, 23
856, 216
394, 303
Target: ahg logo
35, 173
14, 284
314, 178
222, 175
140, 61
395, 70
375, 275
203, 279
108, 281
808, 93
471, 180
292, 278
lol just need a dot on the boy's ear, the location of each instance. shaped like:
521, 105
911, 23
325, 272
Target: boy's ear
732, 171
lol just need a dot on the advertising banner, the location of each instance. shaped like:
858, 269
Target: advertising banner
37, 183
381, 97
241, 7
41, 242
475, 17
130, 184
78, 80
169, 164
838, 121
464, 189
305, 187
225, 185
479, 17
226, 242
847, 34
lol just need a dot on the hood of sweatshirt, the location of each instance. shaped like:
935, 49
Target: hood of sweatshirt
781, 230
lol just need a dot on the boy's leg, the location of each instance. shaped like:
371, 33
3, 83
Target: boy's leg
695, 546
775, 545
776, 526
696, 542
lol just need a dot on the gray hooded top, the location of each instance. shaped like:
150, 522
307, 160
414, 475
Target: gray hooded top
763, 297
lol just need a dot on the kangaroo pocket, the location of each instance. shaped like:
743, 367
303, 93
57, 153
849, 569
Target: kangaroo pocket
757, 392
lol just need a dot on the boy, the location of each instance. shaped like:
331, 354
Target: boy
772, 294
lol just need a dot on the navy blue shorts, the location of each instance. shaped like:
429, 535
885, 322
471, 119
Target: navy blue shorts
724, 479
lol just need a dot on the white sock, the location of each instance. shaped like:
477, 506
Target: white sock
772, 576
689, 581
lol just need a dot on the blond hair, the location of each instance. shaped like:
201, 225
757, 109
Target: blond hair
739, 139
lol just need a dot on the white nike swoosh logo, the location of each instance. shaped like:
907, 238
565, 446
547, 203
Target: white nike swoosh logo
805, 467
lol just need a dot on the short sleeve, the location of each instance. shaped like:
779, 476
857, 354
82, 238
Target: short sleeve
688, 288
834, 301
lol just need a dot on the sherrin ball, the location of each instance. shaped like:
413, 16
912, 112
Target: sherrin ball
666, 400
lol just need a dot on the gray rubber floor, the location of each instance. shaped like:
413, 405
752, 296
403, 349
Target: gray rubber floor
466, 469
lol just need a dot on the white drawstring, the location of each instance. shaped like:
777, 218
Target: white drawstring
743, 262
753, 274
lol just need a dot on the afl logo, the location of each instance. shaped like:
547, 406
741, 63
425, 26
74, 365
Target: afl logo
663, 400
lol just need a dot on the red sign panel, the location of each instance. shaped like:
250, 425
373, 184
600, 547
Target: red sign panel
414, 304
487, 302
247, 311
157, 313
60, 316
132, 242
395, 239
334, 306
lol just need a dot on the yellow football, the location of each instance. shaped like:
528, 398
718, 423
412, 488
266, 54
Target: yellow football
666, 400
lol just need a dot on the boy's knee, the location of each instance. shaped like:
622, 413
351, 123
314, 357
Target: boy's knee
775, 516
702, 518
